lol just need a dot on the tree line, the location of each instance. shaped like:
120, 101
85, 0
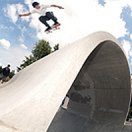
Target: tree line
40, 50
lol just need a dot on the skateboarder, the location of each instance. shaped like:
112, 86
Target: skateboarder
44, 15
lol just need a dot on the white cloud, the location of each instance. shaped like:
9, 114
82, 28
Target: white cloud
24, 46
126, 47
6, 28
22, 36
1, 64
12, 11
13, 56
79, 19
5, 43
28, 2
130, 36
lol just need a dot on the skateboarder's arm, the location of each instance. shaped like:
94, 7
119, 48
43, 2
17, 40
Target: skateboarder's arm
60, 7
25, 14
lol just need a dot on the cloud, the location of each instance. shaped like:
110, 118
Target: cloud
13, 56
5, 43
7, 28
1, 64
130, 36
24, 46
23, 32
79, 19
127, 48
28, 2
12, 11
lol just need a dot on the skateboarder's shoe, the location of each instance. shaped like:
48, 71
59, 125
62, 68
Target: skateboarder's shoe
48, 29
55, 25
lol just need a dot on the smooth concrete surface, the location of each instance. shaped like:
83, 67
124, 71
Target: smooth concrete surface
92, 71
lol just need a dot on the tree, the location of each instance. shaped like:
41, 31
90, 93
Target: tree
12, 73
18, 69
56, 47
0, 69
41, 49
28, 60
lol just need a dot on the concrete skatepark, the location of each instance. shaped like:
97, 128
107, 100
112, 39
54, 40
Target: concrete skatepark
92, 71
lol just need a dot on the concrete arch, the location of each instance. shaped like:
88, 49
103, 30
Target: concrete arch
30, 101
100, 94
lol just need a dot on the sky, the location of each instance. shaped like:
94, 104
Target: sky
18, 36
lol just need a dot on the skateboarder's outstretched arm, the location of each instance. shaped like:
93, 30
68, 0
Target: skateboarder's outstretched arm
60, 7
25, 14
37, 6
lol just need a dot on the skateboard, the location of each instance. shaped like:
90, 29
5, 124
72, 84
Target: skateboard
53, 28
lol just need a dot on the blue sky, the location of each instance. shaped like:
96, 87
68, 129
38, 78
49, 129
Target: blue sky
78, 19
12, 31
101, 2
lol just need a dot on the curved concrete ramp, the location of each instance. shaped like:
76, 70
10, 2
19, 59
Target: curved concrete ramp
93, 72
100, 94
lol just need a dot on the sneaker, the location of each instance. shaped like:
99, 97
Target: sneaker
56, 24
48, 29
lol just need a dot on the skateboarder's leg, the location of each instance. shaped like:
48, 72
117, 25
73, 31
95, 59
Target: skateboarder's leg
44, 20
51, 16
